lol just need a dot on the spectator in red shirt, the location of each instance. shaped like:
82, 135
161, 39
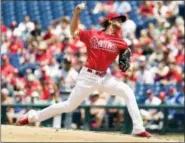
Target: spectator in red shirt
146, 9
49, 88
16, 46
7, 69
180, 55
49, 36
3, 28
55, 47
32, 84
45, 95
175, 74
17, 81
67, 47
53, 42
43, 56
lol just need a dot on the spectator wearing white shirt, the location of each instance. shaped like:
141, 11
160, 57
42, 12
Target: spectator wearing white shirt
68, 75
26, 25
25, 28
63, 29
166, 11
152, 100
151, 116
173, 8
144, 75
128, 27
122, 7
15, 30
4, 44
53, 70
68, 80
153, 32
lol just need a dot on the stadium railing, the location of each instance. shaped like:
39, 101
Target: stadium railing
125, 128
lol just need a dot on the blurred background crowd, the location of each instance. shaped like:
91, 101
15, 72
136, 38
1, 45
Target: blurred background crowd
40, 61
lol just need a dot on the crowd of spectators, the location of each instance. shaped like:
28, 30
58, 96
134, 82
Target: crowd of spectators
38, 65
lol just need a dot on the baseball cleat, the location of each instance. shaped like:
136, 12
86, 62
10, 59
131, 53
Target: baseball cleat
22, 121
144, 134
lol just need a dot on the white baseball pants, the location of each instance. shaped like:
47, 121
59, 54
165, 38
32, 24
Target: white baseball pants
86, 83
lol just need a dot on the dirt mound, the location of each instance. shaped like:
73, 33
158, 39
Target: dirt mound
35, 134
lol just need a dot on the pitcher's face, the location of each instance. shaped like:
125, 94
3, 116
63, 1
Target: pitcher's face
116, 23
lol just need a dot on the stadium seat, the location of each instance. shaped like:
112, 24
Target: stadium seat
77, 2
91, 4
14, 60
14, 10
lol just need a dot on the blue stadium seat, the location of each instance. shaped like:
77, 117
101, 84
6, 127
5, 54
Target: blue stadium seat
14, 60
138, 3
32, 5
77, 2
57, 13
33, 10
133, 3
91, 4
16, 10
45, 13
20, 11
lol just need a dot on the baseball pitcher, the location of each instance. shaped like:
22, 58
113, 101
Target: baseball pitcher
103, 46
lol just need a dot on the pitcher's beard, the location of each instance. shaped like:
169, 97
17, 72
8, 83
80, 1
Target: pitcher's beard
116, 26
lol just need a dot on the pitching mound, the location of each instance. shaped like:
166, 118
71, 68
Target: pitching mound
35, 134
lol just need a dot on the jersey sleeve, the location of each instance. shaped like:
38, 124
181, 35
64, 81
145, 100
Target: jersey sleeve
84, 35
123, 45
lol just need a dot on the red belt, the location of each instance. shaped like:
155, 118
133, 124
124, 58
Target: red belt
97, 72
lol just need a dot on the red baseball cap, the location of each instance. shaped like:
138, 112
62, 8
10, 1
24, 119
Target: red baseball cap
5, 57
162, 95
113, 15
13, 24
171, 89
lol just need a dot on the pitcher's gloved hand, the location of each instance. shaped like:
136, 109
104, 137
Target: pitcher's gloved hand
124, 60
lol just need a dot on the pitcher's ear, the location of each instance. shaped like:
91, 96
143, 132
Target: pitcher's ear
105, 24
110, 21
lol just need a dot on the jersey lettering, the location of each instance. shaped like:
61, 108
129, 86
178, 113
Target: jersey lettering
103, 45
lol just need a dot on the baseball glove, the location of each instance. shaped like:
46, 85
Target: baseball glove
124, 60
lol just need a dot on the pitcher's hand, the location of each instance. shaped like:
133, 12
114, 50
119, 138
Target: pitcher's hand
79, 7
